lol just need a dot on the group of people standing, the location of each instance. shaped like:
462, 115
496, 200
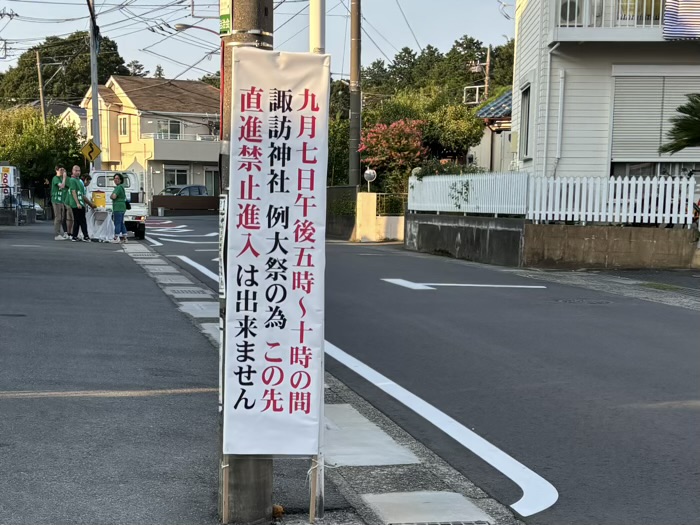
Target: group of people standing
70, 197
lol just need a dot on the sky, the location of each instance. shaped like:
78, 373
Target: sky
140, 30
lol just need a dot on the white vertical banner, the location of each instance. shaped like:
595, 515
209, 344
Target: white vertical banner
273, 395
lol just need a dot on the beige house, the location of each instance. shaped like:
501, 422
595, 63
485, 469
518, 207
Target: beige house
76, 117
166, 131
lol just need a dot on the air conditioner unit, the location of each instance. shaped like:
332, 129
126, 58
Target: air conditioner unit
571, 13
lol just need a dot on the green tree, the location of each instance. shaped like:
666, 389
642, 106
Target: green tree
338, 152
340, 100
685, 132
136, 69
158, 73
36, 148
213, 79
402, 69
502, 60
66, 74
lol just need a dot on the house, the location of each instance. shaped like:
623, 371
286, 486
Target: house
166, 131
494, 152
76, 117
596, 83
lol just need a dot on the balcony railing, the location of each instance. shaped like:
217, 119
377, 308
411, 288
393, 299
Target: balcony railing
180, 136
610, 14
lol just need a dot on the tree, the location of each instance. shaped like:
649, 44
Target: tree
136, 69
685, 132
213, 79
502, 59
394, 150
67, 81
340, 100
158, 73
338, 151
36, 148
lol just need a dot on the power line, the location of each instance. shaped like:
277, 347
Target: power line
409, 25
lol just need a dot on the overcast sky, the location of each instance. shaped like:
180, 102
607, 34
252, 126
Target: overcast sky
139, 28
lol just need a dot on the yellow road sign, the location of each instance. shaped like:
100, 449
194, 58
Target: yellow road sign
90, 151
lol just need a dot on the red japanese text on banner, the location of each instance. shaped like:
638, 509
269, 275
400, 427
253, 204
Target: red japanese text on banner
273, 394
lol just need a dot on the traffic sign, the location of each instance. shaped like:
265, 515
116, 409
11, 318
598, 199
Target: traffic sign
91, 151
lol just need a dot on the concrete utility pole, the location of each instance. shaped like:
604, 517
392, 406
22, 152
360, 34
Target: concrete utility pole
317, 26
355, 91
41, 87
245, 482
488, 73
94, 45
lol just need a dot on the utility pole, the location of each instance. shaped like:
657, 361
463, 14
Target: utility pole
95, 99
488, 73
355, 92
41, 87
245, 482
317, 26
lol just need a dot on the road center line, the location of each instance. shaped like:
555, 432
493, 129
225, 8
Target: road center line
538, 493
199, 267
486, 285
408, 284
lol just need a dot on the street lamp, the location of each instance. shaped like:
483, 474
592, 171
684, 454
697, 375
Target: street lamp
185, 27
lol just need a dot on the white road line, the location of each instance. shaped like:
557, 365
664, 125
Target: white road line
206, 271
538, 493
153, 241
202, 235
189, 242
206, 250
485, 285
408, 284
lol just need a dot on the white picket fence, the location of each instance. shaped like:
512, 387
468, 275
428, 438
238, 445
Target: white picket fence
618, 200
483, 193
639, 200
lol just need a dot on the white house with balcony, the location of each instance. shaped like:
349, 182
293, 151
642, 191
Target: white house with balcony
596, 83
166, 131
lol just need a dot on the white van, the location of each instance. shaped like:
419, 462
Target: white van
135, 218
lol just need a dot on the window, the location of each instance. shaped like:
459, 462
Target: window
169, 129
123, 126
175, 176
105, 181
525, 123
211, 180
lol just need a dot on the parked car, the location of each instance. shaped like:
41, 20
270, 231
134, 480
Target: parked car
182, 190
10, 201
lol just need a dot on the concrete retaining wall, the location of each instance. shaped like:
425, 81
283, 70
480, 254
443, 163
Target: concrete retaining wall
479, 239
560, 246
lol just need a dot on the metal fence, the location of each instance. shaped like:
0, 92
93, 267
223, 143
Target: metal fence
389, 204
476, 193
642, 14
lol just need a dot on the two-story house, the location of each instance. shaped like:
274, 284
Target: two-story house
166, 131
596, 83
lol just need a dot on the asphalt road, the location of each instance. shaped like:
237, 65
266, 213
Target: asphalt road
104, 419
596, 393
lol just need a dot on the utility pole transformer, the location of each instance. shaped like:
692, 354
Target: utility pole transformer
94, 44
245, 482
355, 92
41, 87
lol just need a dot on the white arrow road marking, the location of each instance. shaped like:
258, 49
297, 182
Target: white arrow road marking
206, 271
408, 284
431, 286
153, 241
538, 493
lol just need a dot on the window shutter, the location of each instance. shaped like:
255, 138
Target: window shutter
675, 91
637, 118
